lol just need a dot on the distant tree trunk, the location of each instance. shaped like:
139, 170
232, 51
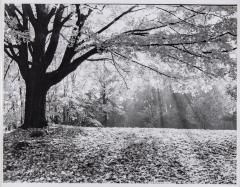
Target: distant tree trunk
160, 104
21, 102
181, 109
150, 100
65, 107
200, 117
56, 117
104, 101
65, 115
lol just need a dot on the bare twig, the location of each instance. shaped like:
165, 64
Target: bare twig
196, 67
15, 76
8, 68
203, 13
182, 20
158, 27
115, 65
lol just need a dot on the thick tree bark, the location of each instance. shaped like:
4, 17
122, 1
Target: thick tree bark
35, 104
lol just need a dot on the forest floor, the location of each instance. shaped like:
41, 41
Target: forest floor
121, 155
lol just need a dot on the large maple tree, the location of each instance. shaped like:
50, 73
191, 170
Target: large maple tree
202, 38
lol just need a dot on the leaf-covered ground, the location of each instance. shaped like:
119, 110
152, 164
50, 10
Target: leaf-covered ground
121, 155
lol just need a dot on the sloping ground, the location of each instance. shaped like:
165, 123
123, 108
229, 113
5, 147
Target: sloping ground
126, 155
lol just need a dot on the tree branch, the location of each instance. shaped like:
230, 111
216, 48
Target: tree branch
160, 26
70, 49
11, 12
115, 65
8, 67
28, 10
145, 66
95, 8
115, 19
99, 59
23, 67
80, 59
57, 75
196, 67
52, 46
189, 52
197, 12
182, 20
50, 14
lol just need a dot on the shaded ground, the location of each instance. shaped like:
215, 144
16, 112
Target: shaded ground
126, 155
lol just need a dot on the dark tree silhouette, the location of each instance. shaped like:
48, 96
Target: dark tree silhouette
37, 80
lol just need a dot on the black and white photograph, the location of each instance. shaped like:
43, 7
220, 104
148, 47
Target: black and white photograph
119, 93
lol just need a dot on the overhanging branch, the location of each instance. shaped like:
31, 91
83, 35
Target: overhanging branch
145, 66
194, 66
116, 67
116, 19
182, 20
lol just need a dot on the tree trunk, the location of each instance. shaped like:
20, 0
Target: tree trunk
160, 104
35, 105
104, 102
21, 101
